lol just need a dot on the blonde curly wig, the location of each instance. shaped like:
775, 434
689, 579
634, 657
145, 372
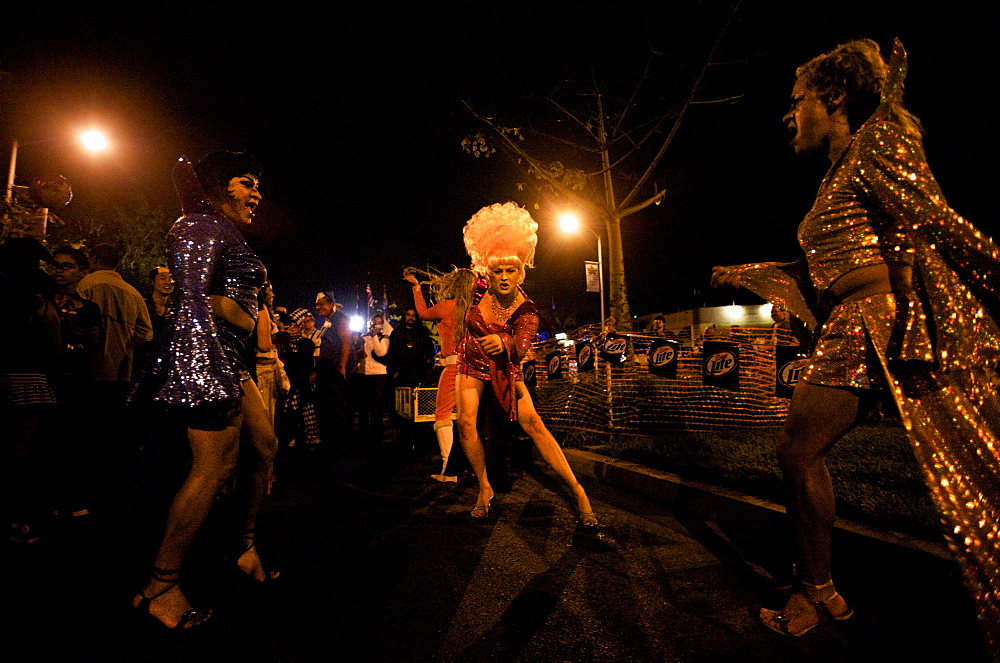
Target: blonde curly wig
501, 234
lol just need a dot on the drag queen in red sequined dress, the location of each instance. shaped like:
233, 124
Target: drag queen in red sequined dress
500, 326
905, 294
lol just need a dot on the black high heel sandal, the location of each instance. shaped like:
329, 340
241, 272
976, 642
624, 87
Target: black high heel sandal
190, 619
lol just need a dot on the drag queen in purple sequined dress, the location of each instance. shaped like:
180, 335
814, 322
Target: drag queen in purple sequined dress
905, 294
199, 370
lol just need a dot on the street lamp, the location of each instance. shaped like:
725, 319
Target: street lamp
570, 223
93, 140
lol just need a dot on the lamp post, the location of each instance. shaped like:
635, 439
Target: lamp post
569, 223
93, 141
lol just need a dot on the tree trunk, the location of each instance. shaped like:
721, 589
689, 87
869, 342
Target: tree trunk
616, 257
616, 275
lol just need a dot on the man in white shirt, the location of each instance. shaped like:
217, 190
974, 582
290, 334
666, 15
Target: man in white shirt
371, 379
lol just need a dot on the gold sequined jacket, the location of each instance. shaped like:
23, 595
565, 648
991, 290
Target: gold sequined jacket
940, 343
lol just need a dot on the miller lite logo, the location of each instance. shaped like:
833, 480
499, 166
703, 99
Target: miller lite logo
553, 365
586, 353
529, 373
615, 346
720, 363
788, 374
554, 362
663, 355
613, 349
789, 362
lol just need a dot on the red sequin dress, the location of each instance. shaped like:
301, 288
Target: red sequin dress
504, 369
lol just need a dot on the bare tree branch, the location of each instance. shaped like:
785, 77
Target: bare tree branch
717, 101
583, 125
632, 100
680, 116
539, 168
569, 143
655, 198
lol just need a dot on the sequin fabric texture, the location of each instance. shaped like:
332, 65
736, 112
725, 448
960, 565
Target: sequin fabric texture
937, 346
207, 256
502, 370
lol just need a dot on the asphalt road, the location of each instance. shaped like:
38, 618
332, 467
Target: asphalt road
379, 563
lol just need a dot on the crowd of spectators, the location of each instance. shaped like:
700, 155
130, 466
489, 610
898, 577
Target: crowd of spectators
84, 336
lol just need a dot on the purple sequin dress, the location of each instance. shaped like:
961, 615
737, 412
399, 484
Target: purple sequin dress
200, 357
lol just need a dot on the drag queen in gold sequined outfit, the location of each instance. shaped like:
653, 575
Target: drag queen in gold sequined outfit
906, 295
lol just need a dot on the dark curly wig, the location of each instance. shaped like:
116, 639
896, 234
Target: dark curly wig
217, 168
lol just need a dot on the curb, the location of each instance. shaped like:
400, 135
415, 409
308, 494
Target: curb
707, 500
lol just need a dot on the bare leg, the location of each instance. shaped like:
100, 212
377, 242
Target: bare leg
214, 456
550, 450
258, 446
818, 417
469, 392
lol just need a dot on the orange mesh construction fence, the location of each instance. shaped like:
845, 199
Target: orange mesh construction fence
630, 399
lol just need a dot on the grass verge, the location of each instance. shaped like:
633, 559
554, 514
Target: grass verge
876, 479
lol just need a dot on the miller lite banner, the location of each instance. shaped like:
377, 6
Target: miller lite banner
584, 357
720, 365
788, 366
613, 349
553, 364
528, 373
663, 358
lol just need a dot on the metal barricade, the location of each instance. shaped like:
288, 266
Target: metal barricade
417, 403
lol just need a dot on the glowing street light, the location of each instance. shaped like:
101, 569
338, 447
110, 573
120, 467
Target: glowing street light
94, 140
570, 223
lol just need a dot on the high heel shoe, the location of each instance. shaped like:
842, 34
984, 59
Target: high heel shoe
796, 625
481, 511
269, 575
189, 619
588, 520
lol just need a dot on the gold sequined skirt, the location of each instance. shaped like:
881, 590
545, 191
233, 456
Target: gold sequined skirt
850, 343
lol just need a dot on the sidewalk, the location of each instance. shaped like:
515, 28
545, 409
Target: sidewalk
899, 584
708, 501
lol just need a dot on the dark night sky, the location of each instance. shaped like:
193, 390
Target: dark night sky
358, 125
